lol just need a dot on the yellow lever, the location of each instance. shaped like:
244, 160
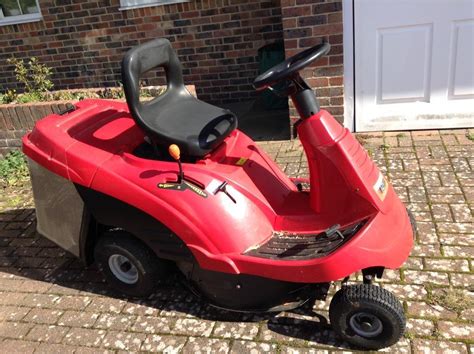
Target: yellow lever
174, 151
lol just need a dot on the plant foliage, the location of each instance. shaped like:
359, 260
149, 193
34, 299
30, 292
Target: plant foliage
13, 169
35, 78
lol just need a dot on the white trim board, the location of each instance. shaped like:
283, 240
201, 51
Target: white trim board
137, 4
348, 45
21, 18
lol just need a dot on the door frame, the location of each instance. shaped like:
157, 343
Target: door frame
348, 23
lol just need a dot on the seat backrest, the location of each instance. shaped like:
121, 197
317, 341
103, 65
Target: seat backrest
143, 58
176, 116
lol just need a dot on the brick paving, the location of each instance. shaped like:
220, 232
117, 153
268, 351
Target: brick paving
50, 303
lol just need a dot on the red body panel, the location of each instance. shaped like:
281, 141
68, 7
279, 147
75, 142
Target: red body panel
93, 146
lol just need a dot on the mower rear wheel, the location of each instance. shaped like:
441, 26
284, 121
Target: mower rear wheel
367, 316
128, 265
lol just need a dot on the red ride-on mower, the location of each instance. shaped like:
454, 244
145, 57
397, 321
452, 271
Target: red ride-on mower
137, 186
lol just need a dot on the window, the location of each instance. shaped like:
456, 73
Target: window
19, 11
134, 4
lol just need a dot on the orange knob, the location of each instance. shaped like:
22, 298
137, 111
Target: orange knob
174, 151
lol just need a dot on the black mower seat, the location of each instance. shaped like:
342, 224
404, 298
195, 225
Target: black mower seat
175, 117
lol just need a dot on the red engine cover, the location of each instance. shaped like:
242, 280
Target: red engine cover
93, 146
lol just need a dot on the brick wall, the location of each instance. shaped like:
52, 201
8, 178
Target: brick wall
84, 41
17, 119
306, 23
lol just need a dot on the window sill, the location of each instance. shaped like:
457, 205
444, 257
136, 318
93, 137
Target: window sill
158, 3
15, 20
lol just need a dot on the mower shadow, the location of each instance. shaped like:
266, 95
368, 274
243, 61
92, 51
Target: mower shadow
24, 253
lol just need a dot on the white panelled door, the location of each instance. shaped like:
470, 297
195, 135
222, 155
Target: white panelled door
414, 64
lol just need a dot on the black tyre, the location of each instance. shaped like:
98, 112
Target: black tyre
128, 265
367, 316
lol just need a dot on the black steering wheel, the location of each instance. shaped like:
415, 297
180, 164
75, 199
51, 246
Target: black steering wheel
290, 66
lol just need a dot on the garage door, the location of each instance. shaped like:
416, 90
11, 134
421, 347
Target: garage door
414, 64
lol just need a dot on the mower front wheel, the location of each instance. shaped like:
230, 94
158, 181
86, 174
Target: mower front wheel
367, 316
128, 265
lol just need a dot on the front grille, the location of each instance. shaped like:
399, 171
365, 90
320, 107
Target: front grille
293, 246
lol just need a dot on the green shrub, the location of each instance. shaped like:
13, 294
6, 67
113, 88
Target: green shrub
30, 97
9, 96
34, 76
112, 93
13, 169
37, 83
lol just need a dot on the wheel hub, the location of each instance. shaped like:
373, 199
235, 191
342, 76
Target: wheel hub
366, 324
126, 266
123, 269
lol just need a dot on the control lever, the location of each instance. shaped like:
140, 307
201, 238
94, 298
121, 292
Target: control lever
334, 230
223, 188
295, 128
175, 153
